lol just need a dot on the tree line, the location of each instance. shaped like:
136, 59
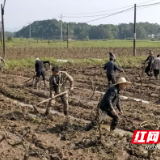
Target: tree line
51, 29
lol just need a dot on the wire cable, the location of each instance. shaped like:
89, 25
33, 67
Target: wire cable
149, 4
112, 14
102, 11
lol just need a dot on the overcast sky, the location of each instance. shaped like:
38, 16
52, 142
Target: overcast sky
19, 13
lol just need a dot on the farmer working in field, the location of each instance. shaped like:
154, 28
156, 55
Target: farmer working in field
107, 104
40, 71
111, 55
111, 68
58, 81
156, 66
2, 60
149, 59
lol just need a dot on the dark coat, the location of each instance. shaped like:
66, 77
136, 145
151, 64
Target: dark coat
111, 99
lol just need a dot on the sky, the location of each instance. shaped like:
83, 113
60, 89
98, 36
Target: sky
19, 13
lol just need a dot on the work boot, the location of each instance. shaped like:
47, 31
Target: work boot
48, 110
113, 125
90, 126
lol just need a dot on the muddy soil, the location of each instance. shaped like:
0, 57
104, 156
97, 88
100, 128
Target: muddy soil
49, 137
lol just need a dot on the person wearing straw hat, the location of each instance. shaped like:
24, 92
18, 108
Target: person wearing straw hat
150, 60
111, 68
108, 103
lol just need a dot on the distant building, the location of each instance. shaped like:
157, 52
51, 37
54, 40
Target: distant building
151, 35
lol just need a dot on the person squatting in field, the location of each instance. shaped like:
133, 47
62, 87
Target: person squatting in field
111, 68
40, 71
156, 66
107, 104
58, 81
149, 68
1, 60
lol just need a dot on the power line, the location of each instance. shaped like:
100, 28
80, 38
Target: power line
144, 6
111, 14
147, 1
149, 4
88, 16
140, 8
101, 11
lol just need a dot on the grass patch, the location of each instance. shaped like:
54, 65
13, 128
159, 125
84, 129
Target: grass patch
123, 61
91, 43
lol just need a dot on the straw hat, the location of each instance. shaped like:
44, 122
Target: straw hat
124, 81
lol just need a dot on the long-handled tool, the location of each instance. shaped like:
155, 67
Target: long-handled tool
30, 79
123, 70
52, 97
34, 106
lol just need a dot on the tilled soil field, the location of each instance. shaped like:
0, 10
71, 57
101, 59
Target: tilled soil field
25, 134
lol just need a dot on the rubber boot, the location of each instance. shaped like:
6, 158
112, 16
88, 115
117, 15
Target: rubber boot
113, 125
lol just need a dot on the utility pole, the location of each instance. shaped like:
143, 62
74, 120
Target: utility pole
67, 36
2, 13
61, 30
134, 42
29, 32
1, 32
118, 32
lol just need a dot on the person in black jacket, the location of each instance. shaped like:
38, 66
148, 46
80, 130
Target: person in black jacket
111, 68
40, 71
107, 104
150, 60
111, 55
